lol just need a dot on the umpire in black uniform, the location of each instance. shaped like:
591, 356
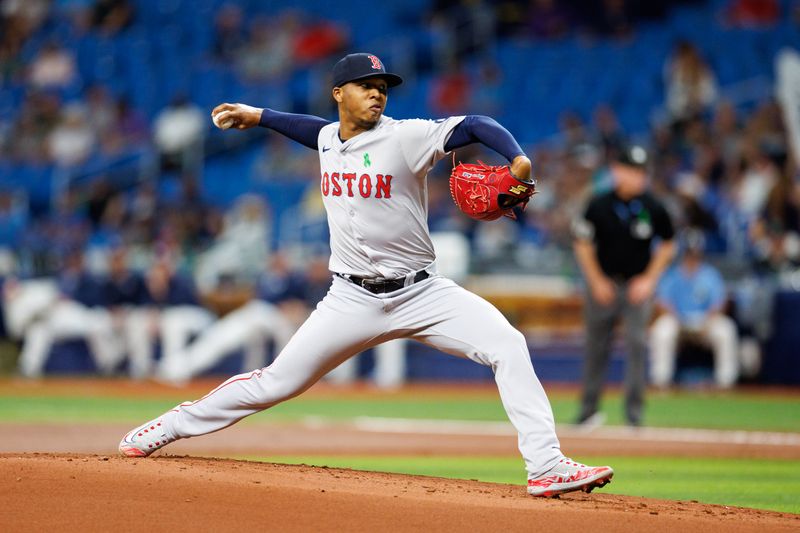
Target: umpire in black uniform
623, 243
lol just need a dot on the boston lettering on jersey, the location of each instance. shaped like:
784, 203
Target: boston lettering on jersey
351, 184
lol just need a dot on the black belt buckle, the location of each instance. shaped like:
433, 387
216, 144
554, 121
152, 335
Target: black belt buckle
382, 287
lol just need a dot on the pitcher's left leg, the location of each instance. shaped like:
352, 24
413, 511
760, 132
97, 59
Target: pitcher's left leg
456, 321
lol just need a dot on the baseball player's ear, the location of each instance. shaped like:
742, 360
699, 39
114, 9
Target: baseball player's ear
337, 94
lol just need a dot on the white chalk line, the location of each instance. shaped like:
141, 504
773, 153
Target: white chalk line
648, 434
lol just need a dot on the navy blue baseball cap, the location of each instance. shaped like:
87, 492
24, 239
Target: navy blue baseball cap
360, 66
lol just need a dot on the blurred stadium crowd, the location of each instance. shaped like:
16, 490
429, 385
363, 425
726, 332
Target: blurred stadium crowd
107, 152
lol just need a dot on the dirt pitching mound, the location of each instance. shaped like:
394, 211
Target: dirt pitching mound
46, 492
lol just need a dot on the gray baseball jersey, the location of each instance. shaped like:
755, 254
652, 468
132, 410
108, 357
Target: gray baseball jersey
375, 193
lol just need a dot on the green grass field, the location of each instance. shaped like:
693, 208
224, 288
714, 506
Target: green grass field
763, 483
746, 411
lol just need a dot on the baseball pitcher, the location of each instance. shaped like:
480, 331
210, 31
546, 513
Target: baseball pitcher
385, 283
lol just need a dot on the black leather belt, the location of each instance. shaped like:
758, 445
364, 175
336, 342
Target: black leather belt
383, 286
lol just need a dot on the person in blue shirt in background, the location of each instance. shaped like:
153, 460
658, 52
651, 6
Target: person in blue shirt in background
692, 299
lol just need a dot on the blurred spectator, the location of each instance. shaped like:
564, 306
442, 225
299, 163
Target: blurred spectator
691, 87
317, 279
169, 312
279, 282
450, 91
776, 232
250, 326
318, 40
495, 242
613, 248
124, 286
144, 210
765, 128
573, 131
66, 227
78, 12
466, 27
12, 67
102, 114
112, 225
564, 189
131, 129
485, 95
73, 140
39, 114
169, 241
112, 16
125, 289
609, 135
229, 33
101, 110
689, 210
757, 180
693, 189
25, 16
53, 67
242, 245
98, 194
191, 211
268, 52
26, 300
727, 133
80, 312
178, 133
692, 300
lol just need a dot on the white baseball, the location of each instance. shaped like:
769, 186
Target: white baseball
222, 120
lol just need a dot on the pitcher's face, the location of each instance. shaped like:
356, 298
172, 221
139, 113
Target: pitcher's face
362, 102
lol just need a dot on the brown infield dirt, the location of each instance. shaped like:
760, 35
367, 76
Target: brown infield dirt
68, 477
56, 492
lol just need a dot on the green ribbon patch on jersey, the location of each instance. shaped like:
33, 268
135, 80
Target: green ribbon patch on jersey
366, 160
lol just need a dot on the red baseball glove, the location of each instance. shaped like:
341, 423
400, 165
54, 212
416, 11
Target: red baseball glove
484, 192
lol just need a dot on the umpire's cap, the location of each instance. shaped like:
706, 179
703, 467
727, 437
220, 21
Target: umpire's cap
359, 66
633, 155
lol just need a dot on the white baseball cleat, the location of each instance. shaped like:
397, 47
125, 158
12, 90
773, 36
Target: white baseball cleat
568, 476
144, 440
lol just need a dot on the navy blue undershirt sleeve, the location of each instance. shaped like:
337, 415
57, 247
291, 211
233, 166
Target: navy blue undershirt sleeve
485, 130
301, 128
